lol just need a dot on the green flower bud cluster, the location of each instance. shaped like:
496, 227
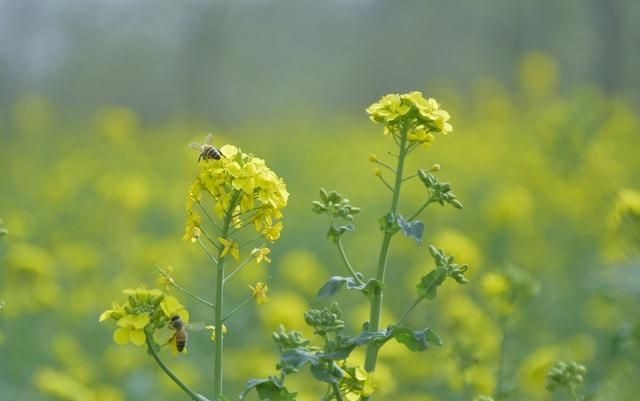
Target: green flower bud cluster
335, 205
326, 320
440, 191
567, 375
445, 267
149, 304
289, 340
445, 262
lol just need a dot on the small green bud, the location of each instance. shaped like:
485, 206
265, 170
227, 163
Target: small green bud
435, 168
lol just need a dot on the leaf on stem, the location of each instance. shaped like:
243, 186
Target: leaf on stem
335, 284
412, 229
415, 340
268, 389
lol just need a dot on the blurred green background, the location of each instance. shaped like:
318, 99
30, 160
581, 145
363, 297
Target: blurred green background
100, 100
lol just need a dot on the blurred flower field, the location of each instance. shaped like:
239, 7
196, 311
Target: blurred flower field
550, 229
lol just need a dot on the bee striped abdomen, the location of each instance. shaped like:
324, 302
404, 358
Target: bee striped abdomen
181, 340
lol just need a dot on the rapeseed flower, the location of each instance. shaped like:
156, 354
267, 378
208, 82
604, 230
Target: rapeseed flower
421, 118
260, 293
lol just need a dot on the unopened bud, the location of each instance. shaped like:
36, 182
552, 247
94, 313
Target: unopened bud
435, 168
377, 172
373, 158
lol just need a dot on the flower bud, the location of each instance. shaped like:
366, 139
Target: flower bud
377, 172
373, 158
435, 168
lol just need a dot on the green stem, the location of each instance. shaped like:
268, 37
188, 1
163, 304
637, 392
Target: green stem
194, 396
336, 391
219, 342
411, 308
346, 262
376, 303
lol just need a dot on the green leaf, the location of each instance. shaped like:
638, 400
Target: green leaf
414, 340
368, 336
428, 286
268, 389
296, 358
322, 374
338, 355
413, 229
335, 284
335, 233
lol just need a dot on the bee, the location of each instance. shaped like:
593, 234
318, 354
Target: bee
181, 333
207, 150
180, 328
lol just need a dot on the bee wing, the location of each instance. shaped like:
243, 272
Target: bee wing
196, 326
194, 145
208, 139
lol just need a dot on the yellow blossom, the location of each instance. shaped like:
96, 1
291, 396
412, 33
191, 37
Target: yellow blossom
230, 247
165, 279
260, 293
272, 233
131, 329
172, 307
116, 312
261, 254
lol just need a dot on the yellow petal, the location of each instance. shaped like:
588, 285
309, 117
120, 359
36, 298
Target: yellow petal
140, 321
137, 337
105, 315
121, 336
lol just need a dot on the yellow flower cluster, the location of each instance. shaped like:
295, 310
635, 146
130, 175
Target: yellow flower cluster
411, 111
143, 313
357, 383
243, 186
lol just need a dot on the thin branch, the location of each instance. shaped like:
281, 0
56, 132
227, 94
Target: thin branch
336, 391
194, 396
385, 165
173, 284
237, 308
251, 240
211, 219
346, 262
416, 214
240, 266
408, 311
385, 183
409, 177
213, 259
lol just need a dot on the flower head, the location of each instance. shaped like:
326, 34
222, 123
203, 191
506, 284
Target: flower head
144, 312
420, 117
243, 190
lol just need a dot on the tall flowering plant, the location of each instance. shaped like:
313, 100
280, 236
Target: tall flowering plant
232, 196
412, 122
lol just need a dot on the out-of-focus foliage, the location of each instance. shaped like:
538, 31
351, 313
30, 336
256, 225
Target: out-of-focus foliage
550, 185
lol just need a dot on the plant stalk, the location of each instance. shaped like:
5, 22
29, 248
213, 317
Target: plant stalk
194, 396
219, 342
376, 304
